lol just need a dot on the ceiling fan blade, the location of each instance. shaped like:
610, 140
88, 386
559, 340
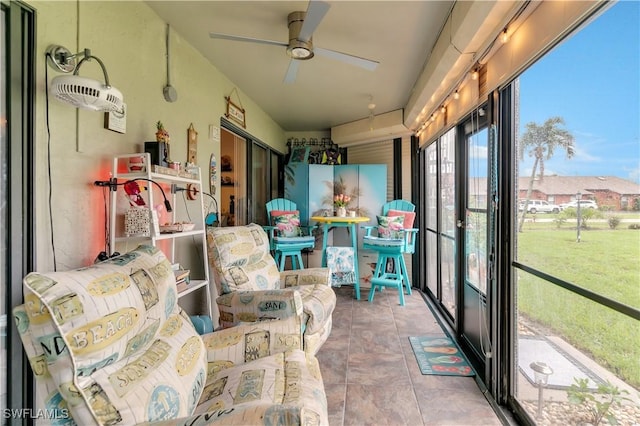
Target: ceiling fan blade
367, 64
247, 39
315, 13
292, 70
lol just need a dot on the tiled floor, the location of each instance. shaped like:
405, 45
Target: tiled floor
371, 375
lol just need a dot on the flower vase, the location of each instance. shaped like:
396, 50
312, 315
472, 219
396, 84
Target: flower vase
341, 212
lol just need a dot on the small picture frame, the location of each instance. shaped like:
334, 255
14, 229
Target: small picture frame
235, 113
299, 155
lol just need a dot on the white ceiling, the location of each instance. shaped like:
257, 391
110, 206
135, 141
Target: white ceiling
398, 34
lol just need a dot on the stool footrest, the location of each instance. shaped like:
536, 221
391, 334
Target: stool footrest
387, 282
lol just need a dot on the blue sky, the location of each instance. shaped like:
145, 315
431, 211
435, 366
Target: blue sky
592, 80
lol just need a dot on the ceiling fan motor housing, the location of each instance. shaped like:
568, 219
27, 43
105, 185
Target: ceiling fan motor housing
298, 49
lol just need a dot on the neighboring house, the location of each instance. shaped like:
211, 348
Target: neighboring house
608, 191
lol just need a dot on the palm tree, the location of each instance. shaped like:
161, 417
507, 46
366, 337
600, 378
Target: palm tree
540, 142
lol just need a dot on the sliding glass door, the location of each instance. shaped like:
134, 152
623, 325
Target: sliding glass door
439, 203
251, 173
474, 324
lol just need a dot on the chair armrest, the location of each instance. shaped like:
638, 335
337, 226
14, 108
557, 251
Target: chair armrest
368, 229
271, 231
309, 228
308, 276
249, 341
258, 305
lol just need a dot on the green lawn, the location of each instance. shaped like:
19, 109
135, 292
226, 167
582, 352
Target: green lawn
606, 262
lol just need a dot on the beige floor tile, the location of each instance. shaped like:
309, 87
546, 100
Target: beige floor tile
371, 375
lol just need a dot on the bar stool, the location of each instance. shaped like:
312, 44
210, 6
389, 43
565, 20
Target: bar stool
391, 269
283, 246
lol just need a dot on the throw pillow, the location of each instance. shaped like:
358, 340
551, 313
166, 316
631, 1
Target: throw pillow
390, 226
409, 217
287, 225
275, 213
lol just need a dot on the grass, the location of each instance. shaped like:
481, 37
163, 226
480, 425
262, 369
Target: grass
606, 262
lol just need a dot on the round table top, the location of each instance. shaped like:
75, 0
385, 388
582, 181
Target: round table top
340, 219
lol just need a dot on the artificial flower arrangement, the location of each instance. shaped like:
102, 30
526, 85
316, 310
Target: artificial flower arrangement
341, 200
161, 134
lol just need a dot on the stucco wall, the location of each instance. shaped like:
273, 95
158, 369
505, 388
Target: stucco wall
130, 39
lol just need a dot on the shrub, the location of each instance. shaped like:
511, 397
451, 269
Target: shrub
597, 405
614, 221
559, 221
634, 226
585, 215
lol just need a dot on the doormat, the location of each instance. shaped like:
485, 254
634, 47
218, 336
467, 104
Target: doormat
439, 355
565, 367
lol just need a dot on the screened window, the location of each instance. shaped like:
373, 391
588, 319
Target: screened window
577, 265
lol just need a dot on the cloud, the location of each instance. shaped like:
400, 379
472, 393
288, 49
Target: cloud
479, 151
634, 174
581, 154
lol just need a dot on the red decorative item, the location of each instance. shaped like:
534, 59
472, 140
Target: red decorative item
132, 189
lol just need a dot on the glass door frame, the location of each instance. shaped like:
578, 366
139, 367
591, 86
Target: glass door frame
19, 24
272, 168
474, 308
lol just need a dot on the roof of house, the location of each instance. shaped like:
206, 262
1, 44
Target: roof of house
566, 185
585, 184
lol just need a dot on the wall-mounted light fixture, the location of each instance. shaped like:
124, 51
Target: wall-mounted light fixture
372, 116
504, 37
474, 74
456, 95
79, 91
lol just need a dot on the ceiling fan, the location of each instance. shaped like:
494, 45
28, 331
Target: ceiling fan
300, 45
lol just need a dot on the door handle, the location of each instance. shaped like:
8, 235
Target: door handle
460, 223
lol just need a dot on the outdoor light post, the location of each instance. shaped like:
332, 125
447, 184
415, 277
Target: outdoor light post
578, 198
541, 373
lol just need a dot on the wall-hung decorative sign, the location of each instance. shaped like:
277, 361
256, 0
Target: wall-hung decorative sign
192, 144
235, 112
116, 121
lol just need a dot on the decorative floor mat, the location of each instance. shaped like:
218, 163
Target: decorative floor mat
439, 355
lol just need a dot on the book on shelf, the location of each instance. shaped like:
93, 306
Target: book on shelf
181, 275
183, 285
182, 279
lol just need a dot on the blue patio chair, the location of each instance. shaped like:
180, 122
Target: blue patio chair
391, 243
287, 237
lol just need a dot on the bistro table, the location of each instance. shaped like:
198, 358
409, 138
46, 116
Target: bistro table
342, 222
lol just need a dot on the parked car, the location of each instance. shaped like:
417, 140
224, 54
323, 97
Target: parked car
535, 206
584, 204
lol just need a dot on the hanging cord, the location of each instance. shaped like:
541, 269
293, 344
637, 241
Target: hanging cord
186, 209
213, 201
46, 109
107, 234
237, 96
168, 46
482, 311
